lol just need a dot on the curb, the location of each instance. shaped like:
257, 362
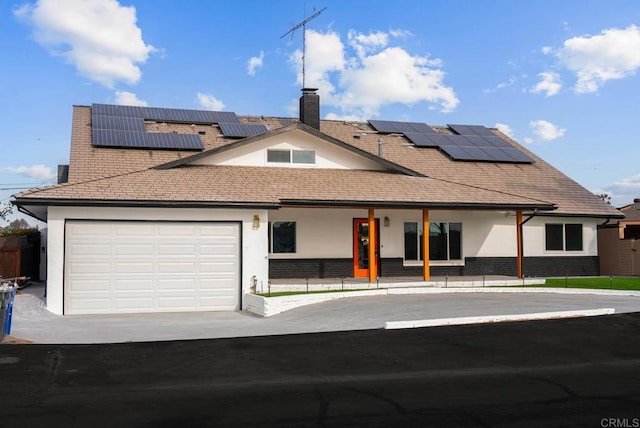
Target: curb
393, 325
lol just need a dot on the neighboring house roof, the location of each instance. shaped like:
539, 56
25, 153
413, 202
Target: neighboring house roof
412, 176
631, 212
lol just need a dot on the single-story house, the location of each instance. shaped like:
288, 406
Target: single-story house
618, 243
188, 210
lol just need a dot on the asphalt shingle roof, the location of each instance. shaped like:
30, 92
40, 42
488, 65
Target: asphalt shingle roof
109, 175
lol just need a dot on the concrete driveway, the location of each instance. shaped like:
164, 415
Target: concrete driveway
32, 322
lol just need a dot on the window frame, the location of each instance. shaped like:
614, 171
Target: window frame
271, 240
419, 233
292, 158
564, 232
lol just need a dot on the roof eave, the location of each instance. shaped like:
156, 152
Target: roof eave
24, 202
417, 205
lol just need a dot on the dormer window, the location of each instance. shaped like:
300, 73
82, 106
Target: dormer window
307, 157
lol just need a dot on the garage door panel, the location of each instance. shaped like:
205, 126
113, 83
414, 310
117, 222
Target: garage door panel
133, 229
90, 249
133, 268
217, 250
173, 249
89, 230
89, 284
184, 284
129, 266
220, 267
177, 302
90, 268
136, 284
175, 267
177, 230
219, 230
138, 250
140, 304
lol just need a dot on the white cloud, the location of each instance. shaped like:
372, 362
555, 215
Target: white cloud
612, 54
367, 43
254, 63
546, 50
325, 55
371, 75
210, 102
99, 37
546, 131
36, 172
125, 98
623, 192
549, 84
505, 129
512, 81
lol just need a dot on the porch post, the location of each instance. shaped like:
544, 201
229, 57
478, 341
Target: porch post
373, 239
426, 270
519, 239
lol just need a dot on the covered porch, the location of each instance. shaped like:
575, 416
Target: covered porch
363, 247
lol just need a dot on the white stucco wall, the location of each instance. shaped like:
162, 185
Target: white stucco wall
323, 232
254, 241
534, 237
327, 155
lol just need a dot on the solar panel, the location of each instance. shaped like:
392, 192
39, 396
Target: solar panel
165, 114
471, 147
116, 138
133, 124
422, 140
241, 130
143, 140
163, 140
394, 127
471, 130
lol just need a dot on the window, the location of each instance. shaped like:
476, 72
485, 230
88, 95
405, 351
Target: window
304, 156
291, 156
282, 237
279, 156
563, 237
445, 241
412, 241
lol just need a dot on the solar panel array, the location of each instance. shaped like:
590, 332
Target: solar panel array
241, 130
469, 143
393, 127
123, 126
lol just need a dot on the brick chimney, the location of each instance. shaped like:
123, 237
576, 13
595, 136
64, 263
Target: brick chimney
310, 107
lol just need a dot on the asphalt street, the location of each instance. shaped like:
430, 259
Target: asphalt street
566, 372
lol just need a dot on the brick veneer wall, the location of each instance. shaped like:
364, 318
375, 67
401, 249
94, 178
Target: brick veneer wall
474, 266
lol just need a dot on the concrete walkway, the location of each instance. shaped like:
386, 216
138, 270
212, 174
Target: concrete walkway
32, 322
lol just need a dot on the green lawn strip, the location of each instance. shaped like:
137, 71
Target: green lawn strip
605, 283
293, 293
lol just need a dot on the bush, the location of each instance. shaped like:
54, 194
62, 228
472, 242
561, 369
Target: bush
19, 232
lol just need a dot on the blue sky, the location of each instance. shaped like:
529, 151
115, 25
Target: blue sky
561, 77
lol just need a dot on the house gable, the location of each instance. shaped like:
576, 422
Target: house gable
314, 153
296, 146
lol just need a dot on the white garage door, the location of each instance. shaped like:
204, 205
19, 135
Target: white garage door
137, 266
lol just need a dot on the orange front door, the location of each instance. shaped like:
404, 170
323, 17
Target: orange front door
361, 247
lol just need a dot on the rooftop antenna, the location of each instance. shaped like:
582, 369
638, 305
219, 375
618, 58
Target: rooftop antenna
303, 24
